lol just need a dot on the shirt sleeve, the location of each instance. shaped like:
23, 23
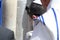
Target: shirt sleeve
50, 22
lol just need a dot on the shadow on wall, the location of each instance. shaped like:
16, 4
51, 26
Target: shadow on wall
6, 34
27, 26
24, 24
4, 13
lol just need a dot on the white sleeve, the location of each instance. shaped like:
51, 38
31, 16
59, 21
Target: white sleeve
41, 32
50, 22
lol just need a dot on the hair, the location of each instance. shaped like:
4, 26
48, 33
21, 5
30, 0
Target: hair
35, 9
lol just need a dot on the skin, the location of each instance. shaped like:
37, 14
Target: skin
45, 3
35, 17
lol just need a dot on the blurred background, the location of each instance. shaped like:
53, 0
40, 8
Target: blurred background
15, 17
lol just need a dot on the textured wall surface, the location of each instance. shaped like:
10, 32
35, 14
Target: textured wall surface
20, 12
9, 14
15, 17
23, 20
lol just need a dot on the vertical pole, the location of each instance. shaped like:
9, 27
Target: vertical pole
20, 12
9, 14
